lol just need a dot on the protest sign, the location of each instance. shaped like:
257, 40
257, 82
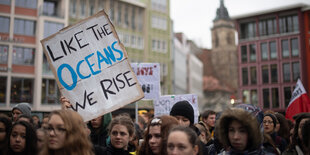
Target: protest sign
164, 104
91, 67
148, 75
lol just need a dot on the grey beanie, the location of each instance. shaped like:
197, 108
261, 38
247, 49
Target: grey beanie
24, 108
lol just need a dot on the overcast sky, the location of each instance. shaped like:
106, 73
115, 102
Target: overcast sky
195, 17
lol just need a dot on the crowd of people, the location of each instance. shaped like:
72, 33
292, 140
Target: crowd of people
244, 129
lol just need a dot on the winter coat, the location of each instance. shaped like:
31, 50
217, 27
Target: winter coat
245, 119
110, 150
100, 138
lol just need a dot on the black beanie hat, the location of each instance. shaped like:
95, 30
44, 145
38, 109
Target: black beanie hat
274, 119
183, 108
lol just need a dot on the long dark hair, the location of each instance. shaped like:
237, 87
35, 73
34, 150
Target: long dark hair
165, 122
31, 138
8, 125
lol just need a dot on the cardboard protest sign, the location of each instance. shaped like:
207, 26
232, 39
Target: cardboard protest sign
148, 75
164, 104
91, 67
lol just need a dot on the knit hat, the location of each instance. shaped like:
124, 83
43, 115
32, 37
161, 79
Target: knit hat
183, 108
274, 119
24, 108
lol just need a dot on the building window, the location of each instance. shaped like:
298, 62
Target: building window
289, 24
119, 14
50, 8
275, 97
101, 4
24, 27
22, 90
133, 18
91, 7
286, 72
264, 51
253, 75
273, 50
294, 47
5, 24
244, 53
266, 98
3, 89
252, 52
140, 19
285, 50
73, 8
265, 74
46, 67
287, 95
50, 92
126, 16
274, 73
32, 4
267, 27
5, 2
83, 7
248, 30
111, 13
23, 56
51, 28
133, 41
296, 70
4, 50
254, 99
245, 78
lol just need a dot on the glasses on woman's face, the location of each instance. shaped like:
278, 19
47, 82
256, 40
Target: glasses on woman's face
267, 122
57, 130
156, 121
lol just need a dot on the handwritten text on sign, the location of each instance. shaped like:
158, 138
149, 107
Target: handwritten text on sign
148, 74
91, 67
164, 104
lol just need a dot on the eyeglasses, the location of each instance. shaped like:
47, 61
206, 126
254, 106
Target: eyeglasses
57, 131
156, 121
269, 122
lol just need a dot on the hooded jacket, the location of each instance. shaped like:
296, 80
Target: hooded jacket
100, 137
248, 121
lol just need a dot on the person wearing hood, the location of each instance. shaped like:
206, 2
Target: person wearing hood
239, 135
21, 108
99, 129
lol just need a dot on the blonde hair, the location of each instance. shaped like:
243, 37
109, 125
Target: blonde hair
77, 141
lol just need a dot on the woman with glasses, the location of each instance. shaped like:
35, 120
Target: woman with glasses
272, 140
121, 132
66, 135
156, 134
23, 139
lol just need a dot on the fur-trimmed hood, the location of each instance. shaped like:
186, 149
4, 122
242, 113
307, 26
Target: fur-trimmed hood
247, 120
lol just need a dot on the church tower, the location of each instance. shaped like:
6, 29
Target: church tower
224, 49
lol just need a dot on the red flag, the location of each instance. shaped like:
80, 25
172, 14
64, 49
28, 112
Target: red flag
299, 101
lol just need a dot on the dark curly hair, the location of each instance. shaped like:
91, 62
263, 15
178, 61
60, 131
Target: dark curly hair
31, 138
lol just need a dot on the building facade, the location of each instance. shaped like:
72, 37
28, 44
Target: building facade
24, 73
271, 56
143, 26
188, 68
